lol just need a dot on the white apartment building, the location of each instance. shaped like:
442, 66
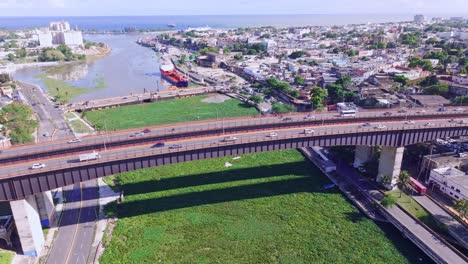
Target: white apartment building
452, 182
59, 33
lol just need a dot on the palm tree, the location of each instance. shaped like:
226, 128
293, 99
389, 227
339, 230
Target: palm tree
403, 180
386, 180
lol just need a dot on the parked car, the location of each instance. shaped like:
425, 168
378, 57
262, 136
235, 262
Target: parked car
229, 139
75, 140
36, 166
175, 146
158, 145
137, 134
272, 134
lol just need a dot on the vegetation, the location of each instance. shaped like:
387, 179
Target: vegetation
298, 54
61, 53
266, 208
256, 99
388, 201
167, 112
79, 127
279, 108
462, 207
403, 80
418, 62
6, 257
63, 91
403, 180
17, 118
318, 96
437, 89
248, 49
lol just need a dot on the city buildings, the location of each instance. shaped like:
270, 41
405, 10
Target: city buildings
59, 33
450, 181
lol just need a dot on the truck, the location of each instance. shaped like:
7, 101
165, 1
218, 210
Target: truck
89, 156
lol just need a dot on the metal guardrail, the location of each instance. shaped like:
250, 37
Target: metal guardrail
197, 146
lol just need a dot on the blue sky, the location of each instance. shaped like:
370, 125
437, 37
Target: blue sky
226, 7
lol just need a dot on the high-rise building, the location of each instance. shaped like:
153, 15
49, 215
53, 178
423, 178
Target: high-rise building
419, 18
59, 33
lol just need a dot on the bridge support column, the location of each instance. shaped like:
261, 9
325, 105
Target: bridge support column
28, 225
46, 208
362, 154
390, 164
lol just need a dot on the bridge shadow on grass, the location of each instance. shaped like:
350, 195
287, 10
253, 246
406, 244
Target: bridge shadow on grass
306, 180
216, 177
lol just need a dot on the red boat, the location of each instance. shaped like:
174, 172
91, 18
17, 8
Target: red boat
169, 74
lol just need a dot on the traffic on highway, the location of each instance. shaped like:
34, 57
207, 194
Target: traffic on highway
154, 148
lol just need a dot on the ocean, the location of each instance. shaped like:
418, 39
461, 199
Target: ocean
112, 23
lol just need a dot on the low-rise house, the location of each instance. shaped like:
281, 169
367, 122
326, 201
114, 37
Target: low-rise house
450, 181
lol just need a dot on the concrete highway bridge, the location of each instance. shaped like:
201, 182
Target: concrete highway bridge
29, 190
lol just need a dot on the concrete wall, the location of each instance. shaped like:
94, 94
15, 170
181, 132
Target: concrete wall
362, 154
390, 164
28, 225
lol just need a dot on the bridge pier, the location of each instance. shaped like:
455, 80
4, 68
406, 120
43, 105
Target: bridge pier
390, 164
28, 225
46, 208
362, 154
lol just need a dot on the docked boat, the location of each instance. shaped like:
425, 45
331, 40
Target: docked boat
169, 74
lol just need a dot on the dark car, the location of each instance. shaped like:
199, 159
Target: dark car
146, 131
158, 145
387, 114
175, 146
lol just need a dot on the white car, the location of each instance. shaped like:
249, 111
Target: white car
410, 122
429, 124
272, 134
421, 111
458, 110
229, 139
309, 117
380, 127
36, 166
308, 131
137, 134
75, 140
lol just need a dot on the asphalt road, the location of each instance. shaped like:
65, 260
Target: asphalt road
63, 161
213, 124
50, 118
76, 228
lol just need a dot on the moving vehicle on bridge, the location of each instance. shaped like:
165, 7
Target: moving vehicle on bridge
89, 156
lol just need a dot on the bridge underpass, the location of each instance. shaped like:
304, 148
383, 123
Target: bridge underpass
19, 186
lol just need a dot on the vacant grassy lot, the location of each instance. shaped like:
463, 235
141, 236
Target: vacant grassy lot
65, 92
165, 112
266, 208
6, 257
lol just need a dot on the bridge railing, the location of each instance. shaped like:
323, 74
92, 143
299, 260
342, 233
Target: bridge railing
217, 141
218, 124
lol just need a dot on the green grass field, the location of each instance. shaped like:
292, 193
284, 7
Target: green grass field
266, 208
79, 127
6, 257
64, 91
166, 112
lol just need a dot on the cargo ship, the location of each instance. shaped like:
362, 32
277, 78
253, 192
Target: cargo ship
169, 74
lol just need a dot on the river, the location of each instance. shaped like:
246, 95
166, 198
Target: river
129, 68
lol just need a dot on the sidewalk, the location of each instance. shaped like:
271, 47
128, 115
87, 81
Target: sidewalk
455, 228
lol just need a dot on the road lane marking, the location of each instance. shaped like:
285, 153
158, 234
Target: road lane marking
77, 225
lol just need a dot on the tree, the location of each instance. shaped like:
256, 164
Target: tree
438, 89
298, 80
297, 54
21, 53
429, 81
386, 181
462, 207
335, 92
282, 108
381, 45
351, 53
403, 180
401, 79
388, 201
256, 99
11, 56
318, 95
18, 122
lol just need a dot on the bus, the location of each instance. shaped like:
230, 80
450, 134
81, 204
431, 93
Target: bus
348, 112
